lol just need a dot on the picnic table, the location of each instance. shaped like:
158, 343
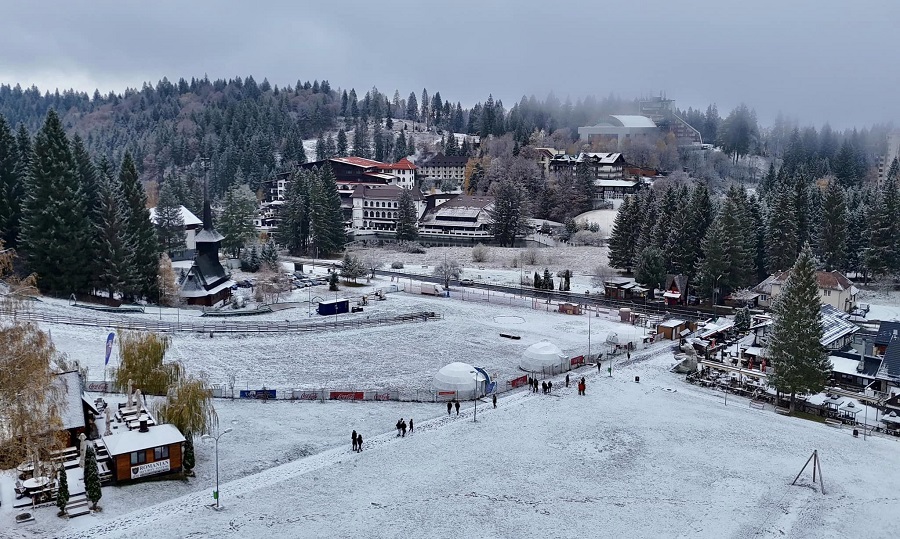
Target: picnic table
36, 483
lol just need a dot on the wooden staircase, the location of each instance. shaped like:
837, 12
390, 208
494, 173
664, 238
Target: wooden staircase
78, 505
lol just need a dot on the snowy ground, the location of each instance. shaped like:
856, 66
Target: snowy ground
655, 459
399, 357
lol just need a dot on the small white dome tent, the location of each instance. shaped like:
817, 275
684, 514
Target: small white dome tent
460, 377
544, 357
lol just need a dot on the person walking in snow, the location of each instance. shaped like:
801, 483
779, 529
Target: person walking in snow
354, 440
403, 428
495, 400
399, 423
456, 403
449, 408
359, 443
550, 387
598, 366
567, 380
410, 426
544, 388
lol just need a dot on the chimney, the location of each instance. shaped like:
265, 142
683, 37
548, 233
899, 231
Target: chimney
143, 426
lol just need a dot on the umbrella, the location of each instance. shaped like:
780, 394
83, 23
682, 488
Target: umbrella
108, 421
128, 403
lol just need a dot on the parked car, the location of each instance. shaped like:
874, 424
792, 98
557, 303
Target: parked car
466, 282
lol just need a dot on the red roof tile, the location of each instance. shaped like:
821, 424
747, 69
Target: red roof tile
403, 164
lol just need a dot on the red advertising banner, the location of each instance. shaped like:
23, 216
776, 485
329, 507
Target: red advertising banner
578, 360
309, 396
520, 381
446, 393
346, 395
382, 396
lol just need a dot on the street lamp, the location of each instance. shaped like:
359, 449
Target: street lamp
216, 438
715, 294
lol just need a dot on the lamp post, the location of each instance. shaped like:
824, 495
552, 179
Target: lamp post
715, 298
216, 438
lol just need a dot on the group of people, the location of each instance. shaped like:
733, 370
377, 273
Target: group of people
357, 442
401, 428
581, 386
546, 386
451, 404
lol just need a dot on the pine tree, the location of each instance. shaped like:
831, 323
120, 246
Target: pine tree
412, 107
333, 282
169, 222
781, 232
714, 265
236, 220
342, 143
795, 348
62, 495
92, 487
188, 460
250, 259
622, 239
379, 144
407, 219
326, 217
894, 170
168, 282
833, 233
651, 269
400, 147
56, 231
114, 249
139, 229
321, 152
882, 253
269, 256
742, 319
537, 281
506, 214
584, 188
647, 222
739, 244
295, 228
11, 187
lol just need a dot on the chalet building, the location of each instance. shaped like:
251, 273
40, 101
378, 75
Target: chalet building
75, 411
192, 226
461, 217
144, 452
623, 288
405, 172
545, 156
376, 207
887, 332
676, 290
835, 289
446, 167
206, 282
837, 335
618, 128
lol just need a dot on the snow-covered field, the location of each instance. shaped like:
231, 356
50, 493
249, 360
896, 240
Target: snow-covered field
401, 357
657, 458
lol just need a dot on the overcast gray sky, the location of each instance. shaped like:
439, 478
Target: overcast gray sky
814, 60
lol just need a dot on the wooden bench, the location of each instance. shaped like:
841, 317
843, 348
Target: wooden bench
834, 423
759, 405
782, 410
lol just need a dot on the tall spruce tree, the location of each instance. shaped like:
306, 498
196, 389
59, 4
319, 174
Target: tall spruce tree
623, 239
882, 252
326, 216
62, 493
833, 233
169, 222
781, 232
651, 269
139, 228
757, 233
795, 348
11, 186
56, 231
236, 220
507, 213
739, 244
342, 143
114, 249
583, 199
715, 264
407, 229
295, 228
648, 214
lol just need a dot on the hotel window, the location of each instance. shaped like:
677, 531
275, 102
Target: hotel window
138, 457
160, 453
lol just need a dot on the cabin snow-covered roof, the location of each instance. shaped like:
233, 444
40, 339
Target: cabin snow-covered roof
135, 440
71, 410
186, 215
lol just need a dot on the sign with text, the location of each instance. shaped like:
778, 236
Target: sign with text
151, 468
383, 396
257, 394
309, 395
346, 395
578, 360
109, 345
518, 382
97, 387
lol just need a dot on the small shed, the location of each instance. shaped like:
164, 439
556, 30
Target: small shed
144, 452
671, 329
333, 306
569, 308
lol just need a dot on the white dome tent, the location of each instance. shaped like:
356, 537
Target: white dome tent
543, 357
461, 378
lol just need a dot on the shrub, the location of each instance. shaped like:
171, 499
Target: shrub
530, 256
396, 265
480, 253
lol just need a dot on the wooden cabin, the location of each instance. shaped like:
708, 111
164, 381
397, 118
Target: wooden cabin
144, 452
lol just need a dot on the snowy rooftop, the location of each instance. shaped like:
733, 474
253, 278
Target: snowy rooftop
189, 218
134, 440
71, 409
